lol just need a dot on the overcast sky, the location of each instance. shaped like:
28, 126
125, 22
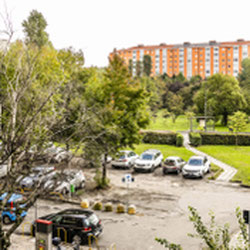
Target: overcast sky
99, 26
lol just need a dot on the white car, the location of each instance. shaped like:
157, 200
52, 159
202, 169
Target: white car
63, 181
148, 161
125, 159
197, 166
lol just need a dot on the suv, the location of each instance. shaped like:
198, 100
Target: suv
125, 159
148, 161
8, 213
197, 166
76, 223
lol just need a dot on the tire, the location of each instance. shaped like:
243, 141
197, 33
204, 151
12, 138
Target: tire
208, 171
6, 220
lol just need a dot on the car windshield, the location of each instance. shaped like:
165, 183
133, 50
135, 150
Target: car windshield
170, 162
195, 162
122, 157
147, 157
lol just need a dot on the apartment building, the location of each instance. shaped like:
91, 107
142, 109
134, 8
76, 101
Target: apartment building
204, 59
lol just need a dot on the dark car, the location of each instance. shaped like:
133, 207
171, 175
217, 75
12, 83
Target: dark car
70, 224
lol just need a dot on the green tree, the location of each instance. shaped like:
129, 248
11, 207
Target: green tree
238, 122
34, 29
120, 111
130, 67
138, 69
175, 106
147, 65
222, 94
244, 79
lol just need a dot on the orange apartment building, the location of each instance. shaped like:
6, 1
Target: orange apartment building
204, 59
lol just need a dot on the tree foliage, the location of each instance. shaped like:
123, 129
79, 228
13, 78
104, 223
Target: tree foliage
34, 29
147, 65
223, 95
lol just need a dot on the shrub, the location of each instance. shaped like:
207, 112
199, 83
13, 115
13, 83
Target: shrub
108, 207
195, 139
179, 140
224, 139
120, 208
168, 138
97, 206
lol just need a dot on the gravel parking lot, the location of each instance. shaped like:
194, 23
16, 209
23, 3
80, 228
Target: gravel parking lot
162, 209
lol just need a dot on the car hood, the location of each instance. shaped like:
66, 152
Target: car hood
192, 168
26, 180
143, 162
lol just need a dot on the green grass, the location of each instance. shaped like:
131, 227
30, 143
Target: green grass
181, 124
237, 157
166, 150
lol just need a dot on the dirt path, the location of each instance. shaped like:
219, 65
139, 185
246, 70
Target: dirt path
228, 172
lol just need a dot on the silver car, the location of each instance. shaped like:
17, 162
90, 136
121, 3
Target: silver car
125, 159
173, 164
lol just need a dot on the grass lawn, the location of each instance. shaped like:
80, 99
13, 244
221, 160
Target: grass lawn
238, 157
181, 124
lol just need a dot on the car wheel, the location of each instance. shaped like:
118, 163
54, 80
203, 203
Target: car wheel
202, 175
208, 171
6, 220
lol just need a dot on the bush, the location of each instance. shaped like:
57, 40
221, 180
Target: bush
225, 139
195, 139
168, 138
179, 140
97, 206
108, 207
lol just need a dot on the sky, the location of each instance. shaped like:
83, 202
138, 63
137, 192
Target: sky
98, 26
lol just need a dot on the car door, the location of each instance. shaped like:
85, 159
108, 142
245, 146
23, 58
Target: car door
69, 227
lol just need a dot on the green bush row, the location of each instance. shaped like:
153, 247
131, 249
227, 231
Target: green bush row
195, 139
168, 138
224, 139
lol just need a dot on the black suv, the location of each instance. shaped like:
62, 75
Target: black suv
70, 224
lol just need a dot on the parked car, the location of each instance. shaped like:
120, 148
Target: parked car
148, 161
173, 164
3, 170
61, 182
125, 159
78, 223
56, 154
8, 213
197, 166
38, 174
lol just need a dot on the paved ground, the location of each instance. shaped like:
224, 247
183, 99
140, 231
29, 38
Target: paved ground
228, 172
162, 210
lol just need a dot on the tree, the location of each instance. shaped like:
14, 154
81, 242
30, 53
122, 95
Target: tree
175, 106
237, 123
147, 65
34, 29
130, 67
244, 79
138, 69
120, 107
223, 95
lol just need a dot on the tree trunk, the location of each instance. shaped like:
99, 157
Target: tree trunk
224, 120
104, 169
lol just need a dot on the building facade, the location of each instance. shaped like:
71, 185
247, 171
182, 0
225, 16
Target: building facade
204, 59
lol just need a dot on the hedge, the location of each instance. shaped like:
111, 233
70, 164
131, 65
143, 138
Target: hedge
179, 140
224, 139
195, 139
152, 137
